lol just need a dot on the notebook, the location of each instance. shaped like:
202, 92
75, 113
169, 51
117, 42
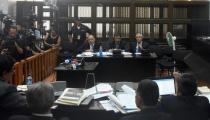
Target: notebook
166, 86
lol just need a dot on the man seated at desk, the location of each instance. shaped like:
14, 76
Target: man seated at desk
186, 106
40, 98
117, 43
139, 44
147, 95
11, 102
90, 46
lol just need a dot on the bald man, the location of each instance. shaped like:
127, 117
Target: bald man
139, 44
90, 45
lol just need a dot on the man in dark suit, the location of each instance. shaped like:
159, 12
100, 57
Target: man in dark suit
11, 102
139, 44
146, 99
117, 43
91, 45
186, 106
40, 98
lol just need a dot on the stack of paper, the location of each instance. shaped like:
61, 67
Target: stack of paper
127, 54
204, 91
100, 90
123, 101
22, 88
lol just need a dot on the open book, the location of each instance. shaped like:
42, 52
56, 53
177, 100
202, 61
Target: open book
71, 96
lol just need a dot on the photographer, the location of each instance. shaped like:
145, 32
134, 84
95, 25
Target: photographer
12, 45
33, 41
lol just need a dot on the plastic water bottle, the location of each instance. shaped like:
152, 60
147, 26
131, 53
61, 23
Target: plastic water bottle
29, 80
100, 51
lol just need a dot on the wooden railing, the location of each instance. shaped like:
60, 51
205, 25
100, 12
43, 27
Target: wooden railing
39, 66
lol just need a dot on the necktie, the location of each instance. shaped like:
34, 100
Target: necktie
140, 45
91, 47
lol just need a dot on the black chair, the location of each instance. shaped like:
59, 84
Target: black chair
166, 61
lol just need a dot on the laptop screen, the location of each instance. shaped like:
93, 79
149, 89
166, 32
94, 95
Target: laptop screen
166, 86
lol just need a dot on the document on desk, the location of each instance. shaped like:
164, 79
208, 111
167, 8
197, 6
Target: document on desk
99, 91
108, 106
86, 54
127, 54
206, 95
127, 100
203, 90
22, 88
124, 101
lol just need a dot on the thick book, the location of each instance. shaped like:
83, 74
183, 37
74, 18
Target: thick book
71, 96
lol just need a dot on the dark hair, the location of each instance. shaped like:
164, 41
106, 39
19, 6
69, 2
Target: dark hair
77, 19
40, 97
6, 64
187, 85
149, 92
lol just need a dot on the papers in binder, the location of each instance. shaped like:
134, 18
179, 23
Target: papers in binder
124, 101
128, 90
100, 90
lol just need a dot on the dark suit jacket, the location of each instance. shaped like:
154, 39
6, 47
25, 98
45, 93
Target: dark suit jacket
186, 107
122, 45
147, 114
145, 45
32, 117
86, 46
11, 102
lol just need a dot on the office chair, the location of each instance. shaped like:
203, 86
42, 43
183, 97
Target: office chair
166, 61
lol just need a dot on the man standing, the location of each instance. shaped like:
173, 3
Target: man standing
77, 34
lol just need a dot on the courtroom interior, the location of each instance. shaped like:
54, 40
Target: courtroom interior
104, 59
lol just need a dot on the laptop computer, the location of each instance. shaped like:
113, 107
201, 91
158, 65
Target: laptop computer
166, 85
59, 87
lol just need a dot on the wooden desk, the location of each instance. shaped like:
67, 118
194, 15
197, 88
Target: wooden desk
116, 69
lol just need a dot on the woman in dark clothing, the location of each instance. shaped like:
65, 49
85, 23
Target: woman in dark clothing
52, 40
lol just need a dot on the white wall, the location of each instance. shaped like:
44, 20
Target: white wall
4, 6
